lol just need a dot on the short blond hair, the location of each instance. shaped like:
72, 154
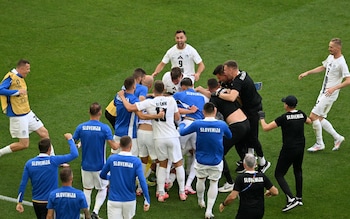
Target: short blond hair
337, 41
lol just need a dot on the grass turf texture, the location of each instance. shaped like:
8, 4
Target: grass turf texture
81, 51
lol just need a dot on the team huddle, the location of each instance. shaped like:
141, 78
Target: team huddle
181, 131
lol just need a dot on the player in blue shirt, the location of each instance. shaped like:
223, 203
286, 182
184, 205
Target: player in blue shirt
67, 201
15, 104
209, 153
140, 91
42, 172
126, 120
123, 169
93, 135
190, 105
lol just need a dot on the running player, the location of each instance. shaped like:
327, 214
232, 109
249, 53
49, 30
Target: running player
184, 56
15, 104
336, 70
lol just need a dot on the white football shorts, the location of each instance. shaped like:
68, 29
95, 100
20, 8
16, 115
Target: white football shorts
134, 148
92, 179
145, 144
125, 210
210, 172
188, 142
22, 126
168, 148
323, 105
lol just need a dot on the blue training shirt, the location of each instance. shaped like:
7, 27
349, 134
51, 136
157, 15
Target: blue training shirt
125, 123
141, 90
67, 202
43, 173
93, 135
209, 142
124, 168
191, 97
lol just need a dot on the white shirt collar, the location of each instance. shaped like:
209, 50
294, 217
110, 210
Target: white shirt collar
210, 118
251, 171
125, 153
14, 71
43, 155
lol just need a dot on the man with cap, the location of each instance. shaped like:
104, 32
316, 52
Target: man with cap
292, 152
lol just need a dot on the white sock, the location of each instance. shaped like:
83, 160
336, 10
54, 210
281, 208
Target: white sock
144, 169
5, 150
326, 125
180, 176
100, 198
189, 161
161, 175
191, 176
87, 193
250, 150
200, 187
212, 194
262, 161
52, 151
157, 168
289, 199
168, 168
316, 125
172, 177
148, 172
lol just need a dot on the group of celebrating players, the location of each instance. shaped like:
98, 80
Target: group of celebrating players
177, 124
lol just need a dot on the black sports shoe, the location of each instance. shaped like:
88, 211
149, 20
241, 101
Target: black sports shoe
94, 216
240, 168
290, 205
300, 201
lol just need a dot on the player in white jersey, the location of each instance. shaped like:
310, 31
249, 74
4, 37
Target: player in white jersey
336, 77
145, 140
166, 137
184, 56
171, 80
